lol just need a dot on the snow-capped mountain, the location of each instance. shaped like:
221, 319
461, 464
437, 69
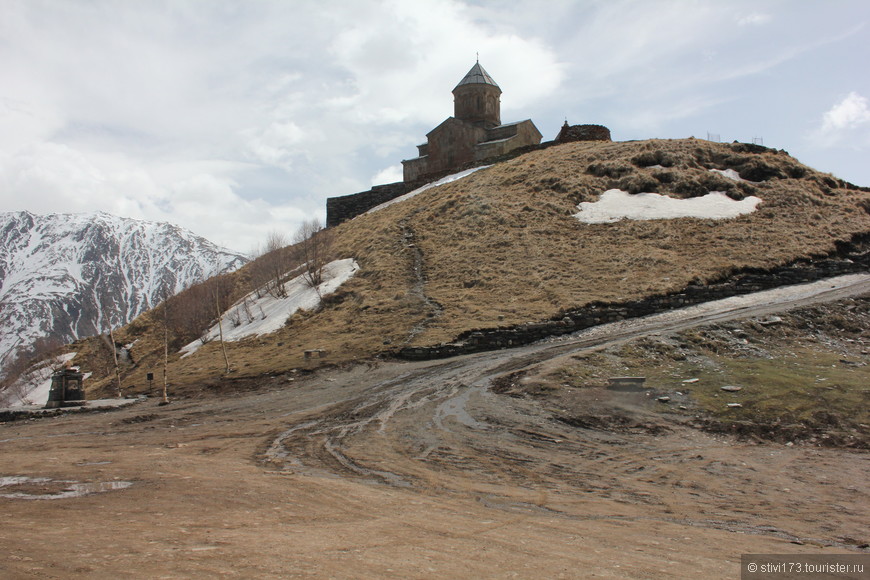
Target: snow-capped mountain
71, 275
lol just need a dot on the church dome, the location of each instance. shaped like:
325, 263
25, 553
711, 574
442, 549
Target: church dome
477, 76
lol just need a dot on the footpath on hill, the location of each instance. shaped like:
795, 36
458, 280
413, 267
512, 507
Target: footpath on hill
421, 470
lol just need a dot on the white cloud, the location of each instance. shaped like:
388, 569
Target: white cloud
277, 143
398, 52
849, 113
844, 127
753, 19
391, 174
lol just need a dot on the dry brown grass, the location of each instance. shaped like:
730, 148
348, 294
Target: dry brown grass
501, 247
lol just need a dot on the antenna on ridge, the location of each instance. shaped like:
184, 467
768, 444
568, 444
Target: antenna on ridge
477, 57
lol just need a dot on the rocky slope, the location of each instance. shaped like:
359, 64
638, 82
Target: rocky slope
67, 276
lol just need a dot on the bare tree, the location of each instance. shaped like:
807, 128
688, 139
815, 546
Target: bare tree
277, 262
314, 246
165, 400
109, 341
106, 318
219, 312
192, 311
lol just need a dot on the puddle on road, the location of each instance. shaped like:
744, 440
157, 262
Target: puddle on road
37, 488
456, 407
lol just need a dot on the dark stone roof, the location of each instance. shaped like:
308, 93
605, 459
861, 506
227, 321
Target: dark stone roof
477, 76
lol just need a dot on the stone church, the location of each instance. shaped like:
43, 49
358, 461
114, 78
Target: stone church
473, 134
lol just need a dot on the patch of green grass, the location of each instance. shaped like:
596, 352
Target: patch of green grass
801, 385
811, 387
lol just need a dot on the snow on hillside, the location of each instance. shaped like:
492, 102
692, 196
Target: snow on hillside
615, 204
442, 181
32, 387
728, 174
254, 316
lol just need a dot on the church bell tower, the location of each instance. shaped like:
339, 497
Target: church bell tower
477, 99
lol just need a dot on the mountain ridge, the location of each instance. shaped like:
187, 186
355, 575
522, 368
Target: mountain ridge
67, 276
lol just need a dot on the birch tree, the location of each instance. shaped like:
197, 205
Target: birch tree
313, 244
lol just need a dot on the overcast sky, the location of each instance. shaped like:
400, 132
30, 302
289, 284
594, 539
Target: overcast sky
237, 118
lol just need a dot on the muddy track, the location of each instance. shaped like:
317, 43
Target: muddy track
437, 426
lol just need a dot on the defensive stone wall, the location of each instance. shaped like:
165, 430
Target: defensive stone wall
849, 258
339, 209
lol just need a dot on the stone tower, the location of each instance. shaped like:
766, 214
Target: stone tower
477, 99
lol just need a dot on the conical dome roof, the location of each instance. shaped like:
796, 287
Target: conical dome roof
477, 76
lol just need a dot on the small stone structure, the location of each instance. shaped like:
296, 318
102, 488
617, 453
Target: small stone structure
570, 133
66, 390
626, 383
473, 134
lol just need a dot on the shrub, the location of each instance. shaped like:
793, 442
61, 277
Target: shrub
612, 170
689, 188
650, 158
665, 176
638, 183
750, 148
757, 170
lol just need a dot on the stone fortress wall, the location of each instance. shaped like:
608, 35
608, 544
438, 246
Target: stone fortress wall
341, 209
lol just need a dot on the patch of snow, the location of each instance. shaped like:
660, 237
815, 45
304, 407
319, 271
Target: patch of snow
728, 174
32, 387
615, 204
442, 181
267, 314
68, 490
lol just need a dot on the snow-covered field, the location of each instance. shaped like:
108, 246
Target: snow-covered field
254, 316
615, 204
442, 181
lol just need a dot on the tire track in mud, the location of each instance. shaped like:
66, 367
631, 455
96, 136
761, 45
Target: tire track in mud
437, 427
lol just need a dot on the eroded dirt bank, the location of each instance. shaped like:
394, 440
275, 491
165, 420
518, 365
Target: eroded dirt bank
418, 470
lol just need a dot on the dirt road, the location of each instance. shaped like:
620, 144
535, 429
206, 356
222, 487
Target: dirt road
419, 470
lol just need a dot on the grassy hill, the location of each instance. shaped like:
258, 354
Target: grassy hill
502, 247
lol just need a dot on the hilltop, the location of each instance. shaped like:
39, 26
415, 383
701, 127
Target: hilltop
503, 247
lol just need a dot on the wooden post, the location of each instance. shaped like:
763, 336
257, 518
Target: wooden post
165, 349
221, 330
